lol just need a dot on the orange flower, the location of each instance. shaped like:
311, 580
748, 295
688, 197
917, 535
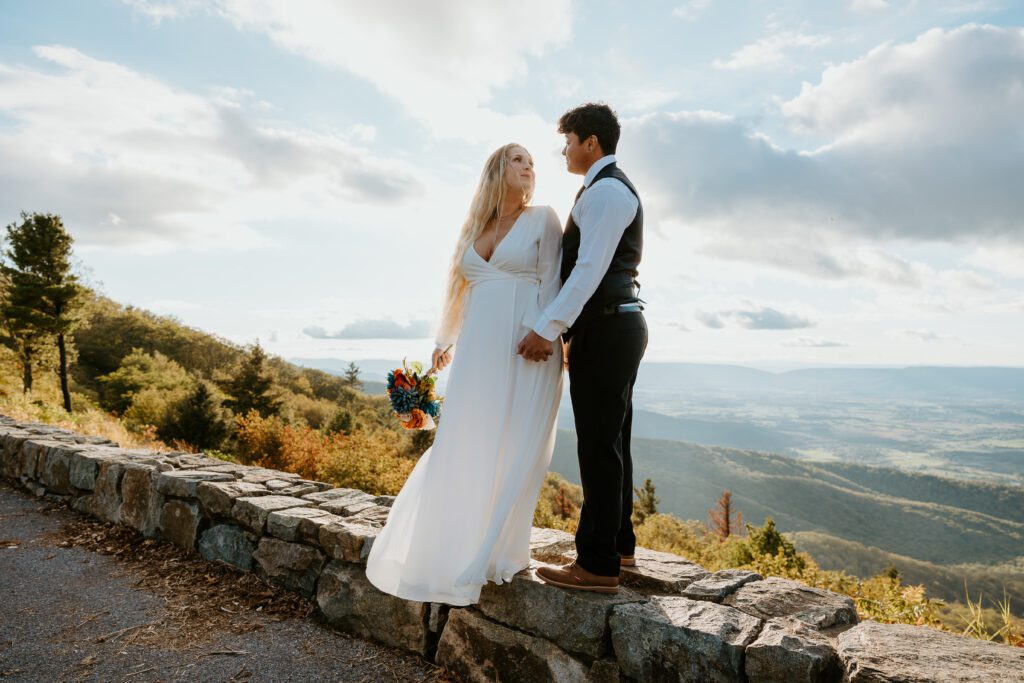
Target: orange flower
417, 419
403, 382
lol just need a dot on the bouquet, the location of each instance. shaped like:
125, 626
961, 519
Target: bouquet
412, 396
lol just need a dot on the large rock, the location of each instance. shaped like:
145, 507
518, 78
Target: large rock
374, 515
877, 653
660, 572
105, 500
679, 639
775, 597
715, 587
180, 522
338, 494
56, 469
285, 523
217, 498
83, 468
574, 620
348, 540
292, 565
789, 651
235, 469
481, 651
32, 453
141, 505
552, 546
194, 461
183, 483
259, 475
252, 511
299, 490
227, 543
309, 527
349, 601
348, 507
11, 452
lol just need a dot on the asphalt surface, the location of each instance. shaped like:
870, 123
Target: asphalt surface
63, 610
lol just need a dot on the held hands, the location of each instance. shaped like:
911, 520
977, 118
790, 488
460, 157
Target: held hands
535, 347
440, 359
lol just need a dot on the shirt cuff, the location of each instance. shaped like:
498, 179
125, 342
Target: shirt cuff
551, 330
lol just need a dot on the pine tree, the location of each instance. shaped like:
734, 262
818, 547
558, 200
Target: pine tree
251, 388
198, 419
724, 519
341, 422
767, 541
42, 296
646, 503
352, 376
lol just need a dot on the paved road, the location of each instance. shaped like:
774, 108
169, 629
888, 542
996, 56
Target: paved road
59, 607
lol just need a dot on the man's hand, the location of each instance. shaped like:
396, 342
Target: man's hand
535, 347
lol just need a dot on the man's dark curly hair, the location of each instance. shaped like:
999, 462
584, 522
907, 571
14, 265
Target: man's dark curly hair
592, 118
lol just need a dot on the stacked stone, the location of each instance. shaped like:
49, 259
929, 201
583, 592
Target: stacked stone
671, 621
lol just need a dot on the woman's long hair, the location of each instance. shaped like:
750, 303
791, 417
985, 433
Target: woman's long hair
487, 201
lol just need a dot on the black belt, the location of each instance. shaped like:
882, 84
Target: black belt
626, 307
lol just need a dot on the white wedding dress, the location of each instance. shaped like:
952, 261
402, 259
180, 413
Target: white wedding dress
464, 515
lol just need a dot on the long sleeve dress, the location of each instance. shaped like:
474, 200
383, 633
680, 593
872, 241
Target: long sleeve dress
463, 516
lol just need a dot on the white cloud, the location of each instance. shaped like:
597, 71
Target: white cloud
770, 51
158, 10
808, 343
131, 161
927, 335
867, 5
754, 317
441, 60
927, 147
691, 10
373, 329
1003, 259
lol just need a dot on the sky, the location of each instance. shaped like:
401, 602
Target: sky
824, 183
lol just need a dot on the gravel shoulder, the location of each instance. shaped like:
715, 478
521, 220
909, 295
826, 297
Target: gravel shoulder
84, 601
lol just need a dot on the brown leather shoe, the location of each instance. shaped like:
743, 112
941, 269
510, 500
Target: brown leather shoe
575, 576
627, 560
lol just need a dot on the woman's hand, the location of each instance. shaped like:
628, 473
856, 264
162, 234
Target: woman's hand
440, 360
565, 354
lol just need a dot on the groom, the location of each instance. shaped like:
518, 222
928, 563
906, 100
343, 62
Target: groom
598, 313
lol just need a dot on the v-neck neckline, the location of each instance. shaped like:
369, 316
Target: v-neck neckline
502, 240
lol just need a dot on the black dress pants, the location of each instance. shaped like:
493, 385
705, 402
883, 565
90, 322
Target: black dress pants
604, 355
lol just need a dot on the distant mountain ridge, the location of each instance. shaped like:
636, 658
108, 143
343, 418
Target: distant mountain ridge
927, 518
908, 382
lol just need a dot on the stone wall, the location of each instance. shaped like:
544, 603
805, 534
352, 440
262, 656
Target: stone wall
671, 621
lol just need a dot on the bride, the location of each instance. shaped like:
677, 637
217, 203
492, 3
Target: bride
463, 516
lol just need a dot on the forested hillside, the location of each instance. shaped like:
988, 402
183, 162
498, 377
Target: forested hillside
860, 519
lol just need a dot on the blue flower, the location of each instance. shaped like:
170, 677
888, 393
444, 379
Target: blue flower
404, 400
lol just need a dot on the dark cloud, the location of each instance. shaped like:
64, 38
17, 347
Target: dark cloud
374, 329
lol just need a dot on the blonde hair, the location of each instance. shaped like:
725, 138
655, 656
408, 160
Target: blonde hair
486, 203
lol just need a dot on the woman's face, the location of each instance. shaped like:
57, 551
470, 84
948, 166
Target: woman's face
519, 171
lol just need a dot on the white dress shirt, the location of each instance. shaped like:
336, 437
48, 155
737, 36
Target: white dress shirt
603, 212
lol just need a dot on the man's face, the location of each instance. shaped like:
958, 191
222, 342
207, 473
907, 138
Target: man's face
576, 155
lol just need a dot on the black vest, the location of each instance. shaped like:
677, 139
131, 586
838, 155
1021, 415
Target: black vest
619, 284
